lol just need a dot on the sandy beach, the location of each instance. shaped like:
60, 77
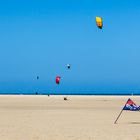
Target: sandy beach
30, 117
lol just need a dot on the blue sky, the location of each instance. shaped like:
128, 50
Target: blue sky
38, 38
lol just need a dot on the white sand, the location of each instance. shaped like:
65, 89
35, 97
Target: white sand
80, 118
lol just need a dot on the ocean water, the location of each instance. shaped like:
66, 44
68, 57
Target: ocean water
98, 94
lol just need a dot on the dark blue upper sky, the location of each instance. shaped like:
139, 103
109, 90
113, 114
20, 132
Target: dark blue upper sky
41, 37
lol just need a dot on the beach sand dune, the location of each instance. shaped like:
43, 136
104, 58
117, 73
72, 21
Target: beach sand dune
79, 118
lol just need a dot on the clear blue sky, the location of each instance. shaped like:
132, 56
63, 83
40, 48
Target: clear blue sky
41, 37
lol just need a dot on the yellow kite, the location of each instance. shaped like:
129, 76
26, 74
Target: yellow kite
99, 22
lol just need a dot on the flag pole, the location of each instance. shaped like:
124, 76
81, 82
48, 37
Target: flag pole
120, 113
118, 116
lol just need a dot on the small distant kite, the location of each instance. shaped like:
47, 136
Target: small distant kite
57, 80
99, 22
68, 66
37, 77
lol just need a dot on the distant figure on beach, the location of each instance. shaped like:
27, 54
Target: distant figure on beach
36, 93
65, 98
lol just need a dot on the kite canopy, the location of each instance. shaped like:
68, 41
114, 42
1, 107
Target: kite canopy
99, 22
57, 79
130, 105
68, 66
